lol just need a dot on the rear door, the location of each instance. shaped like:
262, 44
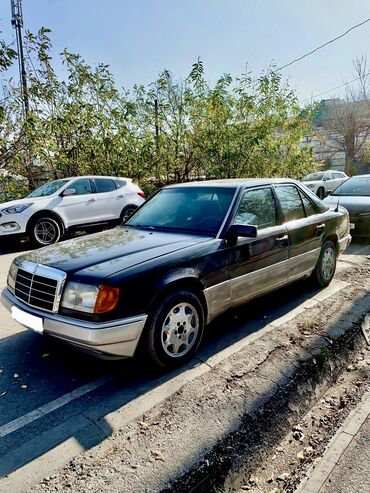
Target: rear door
109, 205
306, 228
257, 265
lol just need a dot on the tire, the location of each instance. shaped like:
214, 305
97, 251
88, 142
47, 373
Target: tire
326, 265
127, 212
45, 231
169, 343
321, 193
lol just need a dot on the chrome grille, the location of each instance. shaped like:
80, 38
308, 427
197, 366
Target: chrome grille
39, 286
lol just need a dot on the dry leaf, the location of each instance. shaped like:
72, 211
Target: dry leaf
16, 375
3, 393
24, 386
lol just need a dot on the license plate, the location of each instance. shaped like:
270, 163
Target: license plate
352, 225
28, 320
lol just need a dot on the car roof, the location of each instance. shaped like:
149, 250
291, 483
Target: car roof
233, 182
91, 177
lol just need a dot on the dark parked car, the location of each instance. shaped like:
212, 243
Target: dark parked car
187, 255
354, 195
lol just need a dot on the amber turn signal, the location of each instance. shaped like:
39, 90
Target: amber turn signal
107, 299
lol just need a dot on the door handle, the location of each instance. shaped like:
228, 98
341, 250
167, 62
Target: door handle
120, 196
320, 228
282, 240
91, 200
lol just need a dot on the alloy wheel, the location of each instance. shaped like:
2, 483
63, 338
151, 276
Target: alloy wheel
328, 263
180, 330
46, 232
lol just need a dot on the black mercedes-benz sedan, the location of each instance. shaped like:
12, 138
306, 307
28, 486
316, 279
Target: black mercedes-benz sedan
354, 195
187, 255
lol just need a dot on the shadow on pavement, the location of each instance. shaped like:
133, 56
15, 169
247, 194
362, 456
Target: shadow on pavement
51, 369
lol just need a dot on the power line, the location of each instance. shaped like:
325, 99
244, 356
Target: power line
325, 44
337, 87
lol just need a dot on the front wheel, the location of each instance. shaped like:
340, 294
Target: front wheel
326, 265
174, 329
45, 231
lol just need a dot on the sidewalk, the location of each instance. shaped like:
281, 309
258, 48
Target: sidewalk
344, 468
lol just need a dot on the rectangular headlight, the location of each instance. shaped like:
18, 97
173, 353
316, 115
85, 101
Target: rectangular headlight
89, 298
80, 297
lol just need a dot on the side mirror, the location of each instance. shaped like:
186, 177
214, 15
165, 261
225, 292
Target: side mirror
69, 191
244, 230
329, 192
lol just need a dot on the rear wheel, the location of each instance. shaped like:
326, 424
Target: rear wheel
174, 329
326, 265
127, 212
45, 231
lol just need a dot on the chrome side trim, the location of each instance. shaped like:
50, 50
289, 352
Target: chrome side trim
303, 264
260, 281
218, 299
248, 286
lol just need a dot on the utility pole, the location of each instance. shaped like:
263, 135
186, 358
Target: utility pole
17, 23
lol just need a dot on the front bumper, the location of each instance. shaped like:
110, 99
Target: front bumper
109, 340
13, 224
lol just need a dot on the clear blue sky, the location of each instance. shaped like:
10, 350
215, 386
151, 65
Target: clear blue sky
139, 38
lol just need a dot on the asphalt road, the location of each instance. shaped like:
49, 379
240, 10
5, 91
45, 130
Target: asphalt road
44, 383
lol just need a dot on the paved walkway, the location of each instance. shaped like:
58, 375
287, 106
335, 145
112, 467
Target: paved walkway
345, 466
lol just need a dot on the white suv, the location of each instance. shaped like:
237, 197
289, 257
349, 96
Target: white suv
61, 206
324, 182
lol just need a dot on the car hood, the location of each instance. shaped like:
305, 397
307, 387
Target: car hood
108, 252
354, 205
26, 200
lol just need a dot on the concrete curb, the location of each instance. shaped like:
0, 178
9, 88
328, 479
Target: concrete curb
321, 470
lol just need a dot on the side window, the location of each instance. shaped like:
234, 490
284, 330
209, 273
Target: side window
308, 206
328, 176
257, 207
338, 176
82, 187
103, 185
121, 183
291, 202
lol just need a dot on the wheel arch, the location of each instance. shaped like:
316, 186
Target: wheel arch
47, 213
334, 238
176, 283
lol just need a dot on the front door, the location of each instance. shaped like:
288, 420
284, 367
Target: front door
258, 265
80, 208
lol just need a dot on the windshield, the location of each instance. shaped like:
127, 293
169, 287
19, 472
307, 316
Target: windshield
194, 209
356, 187
48, 188
313, 177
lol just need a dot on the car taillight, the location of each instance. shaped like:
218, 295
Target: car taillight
141, 194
